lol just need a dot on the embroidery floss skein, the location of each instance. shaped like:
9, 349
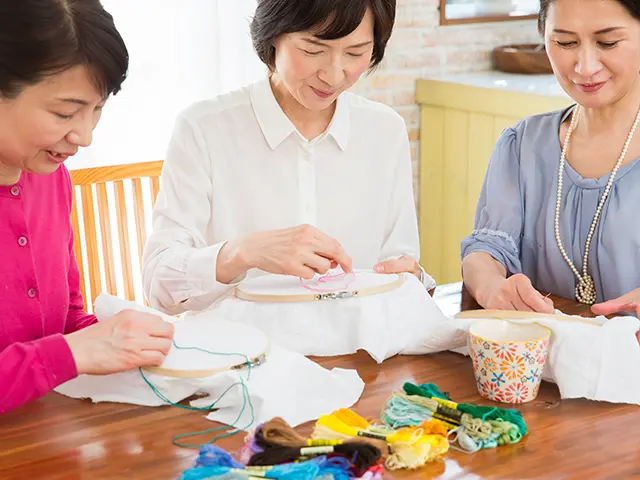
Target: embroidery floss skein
361, 457
277, 442
215, 462
488, 429
278, 431
409, 410
411, 447
404, 410
484, 413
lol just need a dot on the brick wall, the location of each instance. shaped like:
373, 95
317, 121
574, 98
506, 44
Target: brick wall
421, 47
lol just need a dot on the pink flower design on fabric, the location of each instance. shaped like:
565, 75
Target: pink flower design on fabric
334, 282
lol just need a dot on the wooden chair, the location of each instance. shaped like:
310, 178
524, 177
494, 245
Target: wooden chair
103, 258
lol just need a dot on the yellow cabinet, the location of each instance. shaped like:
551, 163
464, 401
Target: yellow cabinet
459, 125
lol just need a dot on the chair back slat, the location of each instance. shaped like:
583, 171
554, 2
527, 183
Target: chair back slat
109, 220
124, 237
107, 239
91, 238
138, 210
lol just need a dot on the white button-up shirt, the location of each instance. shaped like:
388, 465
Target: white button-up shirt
237, 165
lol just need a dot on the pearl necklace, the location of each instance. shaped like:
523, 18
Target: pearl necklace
585, 287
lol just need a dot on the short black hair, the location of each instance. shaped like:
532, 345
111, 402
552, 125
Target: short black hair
44, 37
328, 19
632, 6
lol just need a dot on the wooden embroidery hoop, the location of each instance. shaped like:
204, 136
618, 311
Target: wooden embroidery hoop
230, 354
517, 315
319, 296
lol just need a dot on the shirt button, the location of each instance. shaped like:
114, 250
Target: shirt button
15, 191
32, 292
22, 241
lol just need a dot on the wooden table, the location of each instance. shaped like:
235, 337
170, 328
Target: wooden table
61, 438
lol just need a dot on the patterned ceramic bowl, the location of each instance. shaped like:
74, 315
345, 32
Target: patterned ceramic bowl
508, 359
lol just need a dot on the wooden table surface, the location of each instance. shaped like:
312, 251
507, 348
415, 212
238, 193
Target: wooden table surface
61, 438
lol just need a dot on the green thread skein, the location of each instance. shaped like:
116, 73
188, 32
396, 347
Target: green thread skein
486, 413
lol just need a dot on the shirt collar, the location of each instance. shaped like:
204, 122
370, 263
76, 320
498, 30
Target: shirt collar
273, 122
276, 126
339, 126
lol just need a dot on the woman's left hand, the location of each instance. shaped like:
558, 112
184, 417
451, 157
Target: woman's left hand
629, 302
400, 265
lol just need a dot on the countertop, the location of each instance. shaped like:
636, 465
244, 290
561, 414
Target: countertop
536, 84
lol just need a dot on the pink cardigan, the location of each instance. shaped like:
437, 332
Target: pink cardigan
40, 297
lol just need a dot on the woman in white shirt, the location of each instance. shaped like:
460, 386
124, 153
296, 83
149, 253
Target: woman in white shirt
291, 175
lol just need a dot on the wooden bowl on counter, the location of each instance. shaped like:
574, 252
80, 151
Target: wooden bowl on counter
528, 58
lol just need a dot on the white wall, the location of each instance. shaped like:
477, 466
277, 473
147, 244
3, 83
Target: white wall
181, 51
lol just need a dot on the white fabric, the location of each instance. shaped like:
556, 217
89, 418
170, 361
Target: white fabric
200, 332
585, 361
384, 324
236, 165
308, 392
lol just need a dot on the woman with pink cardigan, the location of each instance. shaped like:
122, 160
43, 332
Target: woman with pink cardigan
59, 62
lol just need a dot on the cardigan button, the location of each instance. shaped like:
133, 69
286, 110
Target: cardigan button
15, 191
32, 292
22, 241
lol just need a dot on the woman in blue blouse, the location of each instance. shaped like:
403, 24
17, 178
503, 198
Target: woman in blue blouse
560, 204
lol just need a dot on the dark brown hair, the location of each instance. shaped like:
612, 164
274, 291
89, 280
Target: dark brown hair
632, 6
327, 19
44, 37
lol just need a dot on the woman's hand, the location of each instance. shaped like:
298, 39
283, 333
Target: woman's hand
399, 265
126, 341
515, 293
629, 302
300, 251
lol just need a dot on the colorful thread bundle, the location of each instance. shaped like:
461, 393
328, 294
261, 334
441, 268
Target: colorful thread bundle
420, 424
276, 442
409, 447
472, 427
214, 462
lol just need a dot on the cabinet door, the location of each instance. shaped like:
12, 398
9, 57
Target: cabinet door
459, 126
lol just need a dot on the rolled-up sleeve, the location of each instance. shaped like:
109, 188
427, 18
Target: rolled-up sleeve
499, 214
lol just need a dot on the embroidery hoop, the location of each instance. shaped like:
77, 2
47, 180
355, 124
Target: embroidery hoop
230, 346
513, 315
249, 290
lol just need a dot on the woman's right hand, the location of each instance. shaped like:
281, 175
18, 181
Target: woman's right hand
516, 293
128, 340
300, 251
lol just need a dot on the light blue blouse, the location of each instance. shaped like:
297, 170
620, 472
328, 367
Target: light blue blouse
514, 220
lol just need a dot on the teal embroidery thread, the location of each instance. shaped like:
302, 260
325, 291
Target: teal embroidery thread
246, 401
